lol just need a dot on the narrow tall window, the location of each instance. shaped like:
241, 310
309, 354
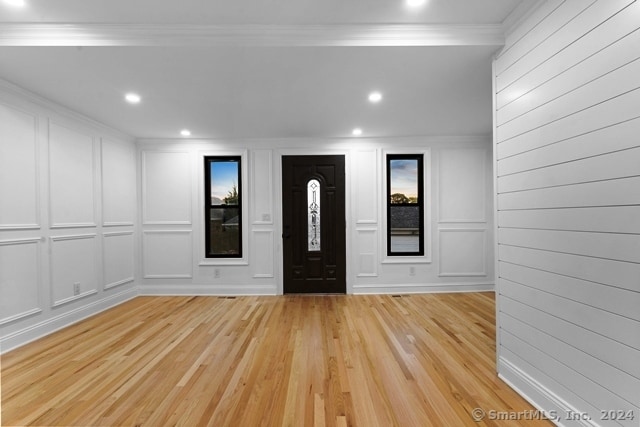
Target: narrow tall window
223, 207
405, 208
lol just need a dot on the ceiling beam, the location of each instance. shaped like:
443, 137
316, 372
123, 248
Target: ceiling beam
35, 34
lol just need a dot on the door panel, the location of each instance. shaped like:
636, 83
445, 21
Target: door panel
313, 224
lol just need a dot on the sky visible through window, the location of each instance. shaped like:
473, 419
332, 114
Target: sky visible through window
224, 176
404, 177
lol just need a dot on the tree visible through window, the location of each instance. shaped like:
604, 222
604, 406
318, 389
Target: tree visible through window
223, 207
405, 209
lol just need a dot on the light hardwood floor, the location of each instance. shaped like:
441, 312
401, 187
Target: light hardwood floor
415, 360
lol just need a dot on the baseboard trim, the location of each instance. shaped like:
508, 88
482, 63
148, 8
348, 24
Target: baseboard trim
63, 320
539, 396
213, 290
413, 288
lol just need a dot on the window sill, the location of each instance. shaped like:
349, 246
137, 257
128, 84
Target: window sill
406, 260
222, 261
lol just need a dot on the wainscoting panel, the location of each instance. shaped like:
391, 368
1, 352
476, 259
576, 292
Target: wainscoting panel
166, 188
71, 177
118, 258
167, 254
462, 185
463, 252
19, 174
262, 187
118, 183
365, 181
74, 267
367, 242
19, 279
262, 262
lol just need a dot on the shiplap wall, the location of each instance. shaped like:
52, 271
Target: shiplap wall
567, 159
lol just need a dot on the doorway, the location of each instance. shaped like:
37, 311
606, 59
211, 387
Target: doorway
313, 224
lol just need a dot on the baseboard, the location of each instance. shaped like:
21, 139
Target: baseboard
53, 324
539, 396
213, 290
422, 288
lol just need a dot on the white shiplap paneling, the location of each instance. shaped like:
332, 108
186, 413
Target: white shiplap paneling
568, 200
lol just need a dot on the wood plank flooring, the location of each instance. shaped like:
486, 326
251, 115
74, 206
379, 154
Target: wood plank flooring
415, 360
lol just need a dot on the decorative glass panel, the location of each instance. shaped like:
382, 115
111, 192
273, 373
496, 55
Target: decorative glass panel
313, 203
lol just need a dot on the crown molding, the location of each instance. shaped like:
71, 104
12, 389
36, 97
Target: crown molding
19, 93
77, 34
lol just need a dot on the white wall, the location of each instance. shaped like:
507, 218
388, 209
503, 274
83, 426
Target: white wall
67, 217
459, 216
567, 158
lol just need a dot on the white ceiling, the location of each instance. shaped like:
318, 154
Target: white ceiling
220, 83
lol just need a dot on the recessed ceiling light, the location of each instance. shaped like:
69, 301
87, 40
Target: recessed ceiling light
415, 3
16, 3
375, 97
132, 98
356, 132
185, 132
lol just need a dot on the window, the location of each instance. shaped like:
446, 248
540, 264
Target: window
405, 205
223, 207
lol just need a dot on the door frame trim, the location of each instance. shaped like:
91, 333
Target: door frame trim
278, 154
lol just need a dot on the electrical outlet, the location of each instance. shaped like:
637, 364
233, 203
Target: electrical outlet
76, 288
412, 271
216, 273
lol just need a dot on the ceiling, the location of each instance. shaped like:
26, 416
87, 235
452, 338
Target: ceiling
261, 68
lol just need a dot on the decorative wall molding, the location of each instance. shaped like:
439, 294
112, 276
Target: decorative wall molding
55, 267
64, 301
261, 185
163, 256
152, 204
442, 272
367, 262
96, 34
65, 136
124, 280
20, 241
21, 188
73, 237
367, 187
19, 316
262, 257
461, 216
37, 261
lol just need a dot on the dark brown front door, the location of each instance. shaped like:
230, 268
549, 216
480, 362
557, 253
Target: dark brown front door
313, 224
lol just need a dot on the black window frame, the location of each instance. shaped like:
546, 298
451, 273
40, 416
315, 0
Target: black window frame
208, 206
421, 201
